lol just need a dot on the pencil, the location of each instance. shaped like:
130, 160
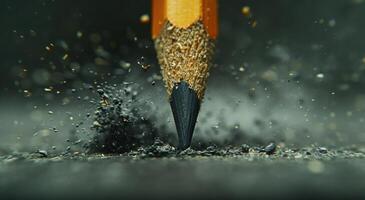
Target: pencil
184, 32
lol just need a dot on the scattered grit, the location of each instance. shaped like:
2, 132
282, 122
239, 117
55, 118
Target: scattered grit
118, 122
160, 149
122, 131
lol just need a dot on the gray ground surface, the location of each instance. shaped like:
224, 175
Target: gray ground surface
308, 173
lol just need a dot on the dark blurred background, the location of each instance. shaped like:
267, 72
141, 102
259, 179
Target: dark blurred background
296, 77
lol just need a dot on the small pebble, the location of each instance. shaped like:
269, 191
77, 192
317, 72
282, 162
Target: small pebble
322, 150
270, 149
245, 148
43, 153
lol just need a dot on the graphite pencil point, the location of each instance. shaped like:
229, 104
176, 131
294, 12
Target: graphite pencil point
185, 107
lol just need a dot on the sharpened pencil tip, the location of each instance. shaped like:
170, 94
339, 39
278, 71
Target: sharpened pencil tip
185, 106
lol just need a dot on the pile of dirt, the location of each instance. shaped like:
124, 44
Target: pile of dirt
118, 121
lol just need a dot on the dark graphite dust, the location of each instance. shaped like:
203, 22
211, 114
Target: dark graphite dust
123, 127
118, 122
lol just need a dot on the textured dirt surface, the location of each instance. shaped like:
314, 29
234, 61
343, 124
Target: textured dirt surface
158, 171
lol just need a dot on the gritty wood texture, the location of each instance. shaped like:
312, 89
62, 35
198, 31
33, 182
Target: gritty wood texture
185, 55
